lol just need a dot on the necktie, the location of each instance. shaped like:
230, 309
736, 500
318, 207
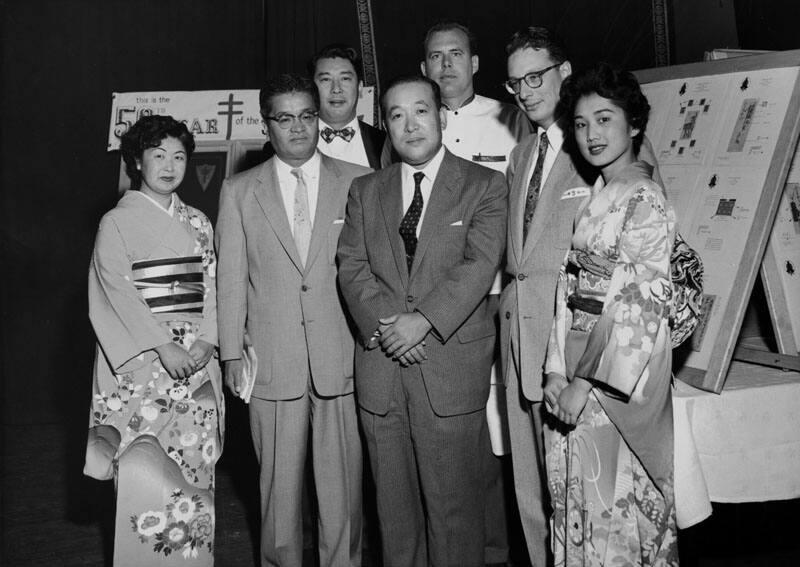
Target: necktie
535, 186
408, 226
302, 218
345, 134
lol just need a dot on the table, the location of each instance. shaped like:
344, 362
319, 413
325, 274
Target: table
742, 445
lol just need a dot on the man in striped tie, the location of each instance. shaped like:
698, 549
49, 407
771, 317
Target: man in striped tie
276, 239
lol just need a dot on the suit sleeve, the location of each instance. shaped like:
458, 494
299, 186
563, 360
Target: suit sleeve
359, 286
123, 322
232, 272
468, 281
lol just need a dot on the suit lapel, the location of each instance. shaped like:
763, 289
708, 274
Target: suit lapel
370, 146
268, 195
441, 201
391, 199
561, 174
329, 186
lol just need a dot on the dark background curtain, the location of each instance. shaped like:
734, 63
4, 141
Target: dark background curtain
62, 59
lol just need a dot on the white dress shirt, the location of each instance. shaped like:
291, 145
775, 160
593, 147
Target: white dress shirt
430, 170
352, 151
288, 184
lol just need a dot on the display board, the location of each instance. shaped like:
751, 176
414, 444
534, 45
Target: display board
724, 134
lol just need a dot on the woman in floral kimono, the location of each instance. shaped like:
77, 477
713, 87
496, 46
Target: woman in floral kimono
156, 416
609, 447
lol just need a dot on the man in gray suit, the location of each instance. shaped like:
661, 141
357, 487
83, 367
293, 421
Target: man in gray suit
276, 238
418, 253
541, 213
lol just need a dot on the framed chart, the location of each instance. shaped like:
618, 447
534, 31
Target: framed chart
724, 134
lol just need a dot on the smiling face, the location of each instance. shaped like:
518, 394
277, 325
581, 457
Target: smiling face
296, 144
450, 64
539, 103
413, 122
603, 134
339, 87
162, 169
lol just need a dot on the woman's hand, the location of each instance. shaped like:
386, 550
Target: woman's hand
572, 400
201, 352
176, 361
553, 385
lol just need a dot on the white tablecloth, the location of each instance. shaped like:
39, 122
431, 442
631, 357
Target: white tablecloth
742, 445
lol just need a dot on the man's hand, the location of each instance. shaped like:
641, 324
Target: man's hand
176, 361
234, 378
401, 332
414, 355
553, 385
201, 352
572, 400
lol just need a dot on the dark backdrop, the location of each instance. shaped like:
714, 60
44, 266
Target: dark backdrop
61, 59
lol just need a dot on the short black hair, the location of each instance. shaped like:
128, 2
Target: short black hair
448, 25
411, 79
337, 51
617, 85
537, 37
286, 83
148, 132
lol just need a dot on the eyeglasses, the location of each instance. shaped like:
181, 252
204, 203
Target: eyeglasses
286, 121
533, 80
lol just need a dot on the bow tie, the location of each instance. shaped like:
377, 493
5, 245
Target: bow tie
345, 134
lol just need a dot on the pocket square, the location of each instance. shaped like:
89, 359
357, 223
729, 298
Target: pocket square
338, 221
457, 223
576, 192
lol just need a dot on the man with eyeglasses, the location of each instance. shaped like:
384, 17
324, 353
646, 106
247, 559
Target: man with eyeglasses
484, 131
541, 211
278, 226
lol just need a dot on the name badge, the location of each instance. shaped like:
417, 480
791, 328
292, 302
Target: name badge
482, 158
576, 192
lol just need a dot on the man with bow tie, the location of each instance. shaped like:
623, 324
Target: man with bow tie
336, 71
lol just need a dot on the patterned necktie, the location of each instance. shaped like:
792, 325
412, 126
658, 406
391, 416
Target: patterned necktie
345, 134
408, 226
302, 218
535, 186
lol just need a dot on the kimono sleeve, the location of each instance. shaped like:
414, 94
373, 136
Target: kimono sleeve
208, 327
122, 321
555, 360
634, 318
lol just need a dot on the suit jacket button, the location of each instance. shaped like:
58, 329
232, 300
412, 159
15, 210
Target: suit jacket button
521, 277
304, 287
410, 298
508, 314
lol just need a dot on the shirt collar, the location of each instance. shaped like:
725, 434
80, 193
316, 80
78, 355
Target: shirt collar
430, 170
555, 136
463, 104
310, 168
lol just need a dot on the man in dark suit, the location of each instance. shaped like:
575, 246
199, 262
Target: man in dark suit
276, 281
336, 70
543, 201
418, 253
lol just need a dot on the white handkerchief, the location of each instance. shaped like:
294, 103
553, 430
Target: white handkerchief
338, 221
576, 192
457, 223
250, 363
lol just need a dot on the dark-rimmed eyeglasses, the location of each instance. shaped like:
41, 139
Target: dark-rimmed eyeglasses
533, 80
285, 121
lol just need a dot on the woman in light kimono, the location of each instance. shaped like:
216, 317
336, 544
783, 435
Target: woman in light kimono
156, 416
609, 446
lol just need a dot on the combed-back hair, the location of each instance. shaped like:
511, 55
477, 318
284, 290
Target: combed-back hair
286, 83
449, 25
537, 37
336, 51
408, 80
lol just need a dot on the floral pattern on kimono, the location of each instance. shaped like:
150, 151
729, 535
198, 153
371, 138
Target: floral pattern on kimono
610, 477
168, 431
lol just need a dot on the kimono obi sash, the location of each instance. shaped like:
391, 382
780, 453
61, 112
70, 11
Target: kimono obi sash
592, 274
171, 285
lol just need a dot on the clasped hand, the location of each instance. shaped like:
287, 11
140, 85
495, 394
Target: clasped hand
402, 337
180, 363
566, 400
